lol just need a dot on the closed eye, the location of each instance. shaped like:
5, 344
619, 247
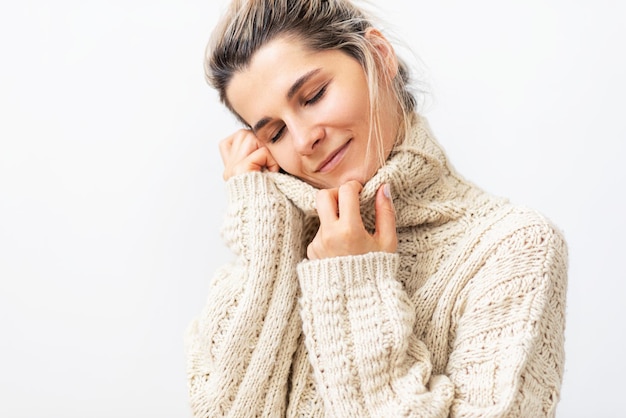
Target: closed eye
278, 134
311, 101
317, 97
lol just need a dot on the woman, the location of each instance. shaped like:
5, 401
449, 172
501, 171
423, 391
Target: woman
371, 279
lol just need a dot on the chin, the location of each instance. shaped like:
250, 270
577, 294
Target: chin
359, 177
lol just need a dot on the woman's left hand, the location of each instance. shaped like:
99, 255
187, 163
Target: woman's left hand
341, 229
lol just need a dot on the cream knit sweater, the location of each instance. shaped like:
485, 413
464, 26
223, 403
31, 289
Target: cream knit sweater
465, 320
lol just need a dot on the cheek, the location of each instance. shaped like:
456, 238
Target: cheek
348, 107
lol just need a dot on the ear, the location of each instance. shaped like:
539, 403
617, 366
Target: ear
383, 50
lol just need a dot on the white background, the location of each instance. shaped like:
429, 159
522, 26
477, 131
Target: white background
111, 195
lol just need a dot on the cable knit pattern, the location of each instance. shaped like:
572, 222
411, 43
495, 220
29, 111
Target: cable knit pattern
466, 319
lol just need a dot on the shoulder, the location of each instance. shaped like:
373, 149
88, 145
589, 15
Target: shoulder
498, 222
529, 227
524, 246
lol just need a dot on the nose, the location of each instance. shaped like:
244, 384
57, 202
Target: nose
306, 138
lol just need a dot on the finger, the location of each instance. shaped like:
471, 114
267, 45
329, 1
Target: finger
236, 150
224, 147
270, 162
385, 219
264, 159
231, 145
311, 254
244, 144
349, 204
326, 205
256, 161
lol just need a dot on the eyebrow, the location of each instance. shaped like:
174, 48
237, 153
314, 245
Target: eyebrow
292, 92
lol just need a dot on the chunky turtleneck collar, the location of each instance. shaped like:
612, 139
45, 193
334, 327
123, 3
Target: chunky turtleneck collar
424, 187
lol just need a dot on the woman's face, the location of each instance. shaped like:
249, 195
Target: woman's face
311, 110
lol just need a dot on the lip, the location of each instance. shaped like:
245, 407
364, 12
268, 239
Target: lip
333, 159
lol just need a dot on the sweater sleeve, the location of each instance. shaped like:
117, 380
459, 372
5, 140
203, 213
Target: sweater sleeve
508, 355
506, 327
239, 348
358, 326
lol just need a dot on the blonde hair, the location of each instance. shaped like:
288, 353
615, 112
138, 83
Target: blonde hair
320, 25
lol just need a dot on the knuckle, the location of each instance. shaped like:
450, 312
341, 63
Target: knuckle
342, 233
346, 187
242, 132
354, 185
390, 244
323, 194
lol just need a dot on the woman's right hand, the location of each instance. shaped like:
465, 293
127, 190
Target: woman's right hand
242, 152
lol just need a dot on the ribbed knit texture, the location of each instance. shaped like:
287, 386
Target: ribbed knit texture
466, 319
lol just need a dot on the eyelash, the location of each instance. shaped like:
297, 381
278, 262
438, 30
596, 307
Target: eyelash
317, 97
309, 102
278, 135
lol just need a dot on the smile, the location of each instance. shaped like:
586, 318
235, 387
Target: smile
333, 160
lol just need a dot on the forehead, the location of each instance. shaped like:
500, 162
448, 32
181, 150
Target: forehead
275, 58
272, 71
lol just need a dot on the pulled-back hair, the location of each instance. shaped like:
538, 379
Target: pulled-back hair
320, 25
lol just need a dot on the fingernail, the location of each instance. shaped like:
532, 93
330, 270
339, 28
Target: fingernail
387, 191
